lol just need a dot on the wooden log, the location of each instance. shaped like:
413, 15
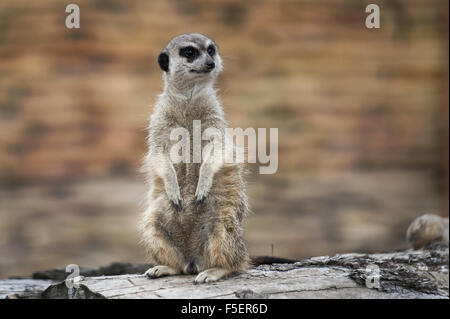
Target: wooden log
27, 288
405, 274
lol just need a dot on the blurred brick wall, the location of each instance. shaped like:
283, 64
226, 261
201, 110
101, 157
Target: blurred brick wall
74, 102
362, 117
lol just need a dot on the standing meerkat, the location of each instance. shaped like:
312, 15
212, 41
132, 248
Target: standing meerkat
193, 218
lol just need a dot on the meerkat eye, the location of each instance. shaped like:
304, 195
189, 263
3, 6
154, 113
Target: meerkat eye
211, 50
189, 52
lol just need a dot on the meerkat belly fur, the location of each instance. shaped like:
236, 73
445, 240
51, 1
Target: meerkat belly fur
193, 218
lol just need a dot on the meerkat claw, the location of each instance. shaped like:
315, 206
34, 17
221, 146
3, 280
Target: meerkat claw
178, 206
200, 200
211, 275
160, 271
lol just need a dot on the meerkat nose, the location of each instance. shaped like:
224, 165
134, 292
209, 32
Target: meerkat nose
210, 65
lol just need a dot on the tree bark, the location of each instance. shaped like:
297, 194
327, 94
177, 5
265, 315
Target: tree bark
406, 274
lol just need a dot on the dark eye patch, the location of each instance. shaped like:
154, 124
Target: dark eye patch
211, 50
189, 52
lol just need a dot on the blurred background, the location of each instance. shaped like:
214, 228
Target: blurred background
362, 117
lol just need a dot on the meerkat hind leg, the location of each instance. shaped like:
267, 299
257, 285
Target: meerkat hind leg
212, 274
160, 271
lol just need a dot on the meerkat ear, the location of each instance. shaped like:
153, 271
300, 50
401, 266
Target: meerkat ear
163, 60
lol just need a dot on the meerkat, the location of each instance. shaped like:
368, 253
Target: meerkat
192, 223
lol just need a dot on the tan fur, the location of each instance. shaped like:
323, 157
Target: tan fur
426, 230
208, 236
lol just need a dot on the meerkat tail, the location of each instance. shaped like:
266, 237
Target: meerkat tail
255, 261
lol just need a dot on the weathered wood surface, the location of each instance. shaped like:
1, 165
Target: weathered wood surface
407, 274
23, 287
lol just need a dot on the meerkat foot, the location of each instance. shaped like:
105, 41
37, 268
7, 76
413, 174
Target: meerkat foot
211, 274
160, 271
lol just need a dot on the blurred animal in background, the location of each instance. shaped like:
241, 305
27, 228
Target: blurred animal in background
427, 230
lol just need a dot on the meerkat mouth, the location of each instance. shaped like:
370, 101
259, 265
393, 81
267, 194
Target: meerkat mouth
200, 71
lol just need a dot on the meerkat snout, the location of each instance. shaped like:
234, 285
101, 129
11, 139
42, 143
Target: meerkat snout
210, 65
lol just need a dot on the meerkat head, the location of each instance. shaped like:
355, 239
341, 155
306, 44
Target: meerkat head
190, 59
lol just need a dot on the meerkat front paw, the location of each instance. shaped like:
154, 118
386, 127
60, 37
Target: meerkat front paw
160, 271
201, 192
175, 200
199, 199
212, 274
